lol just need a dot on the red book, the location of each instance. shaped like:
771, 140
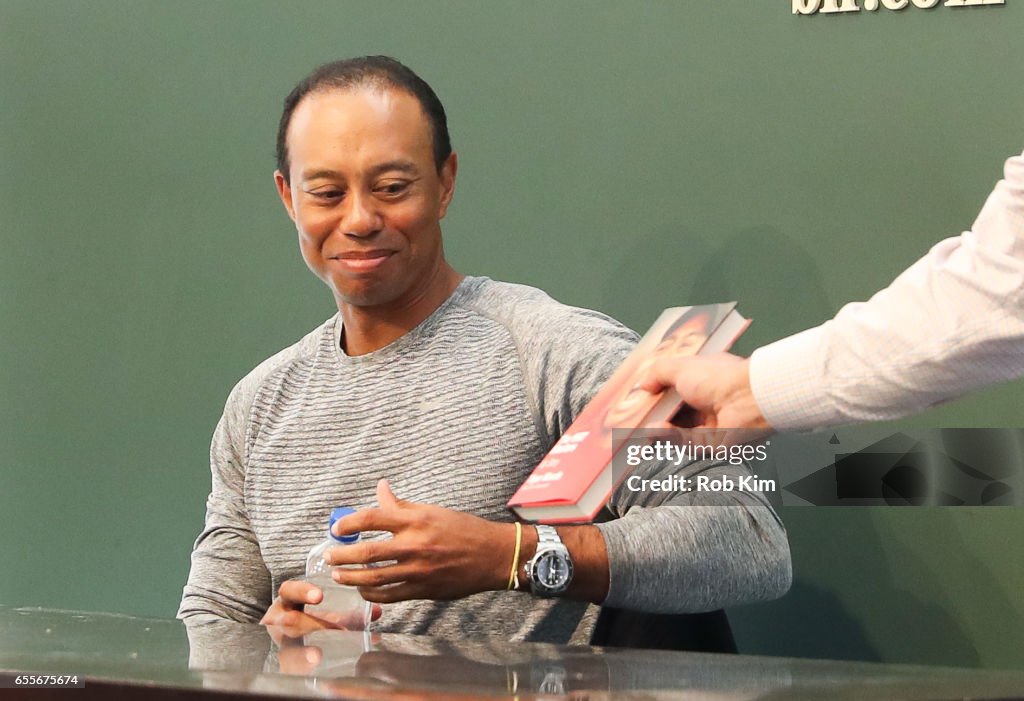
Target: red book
574, 480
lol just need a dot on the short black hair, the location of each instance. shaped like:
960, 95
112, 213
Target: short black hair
375, 71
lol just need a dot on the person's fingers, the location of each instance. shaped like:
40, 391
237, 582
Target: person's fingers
659, 375
346, 620
378, 519
294, 593
393, 593
385, 497
285, 624
373, 551
386, 517
377, 576
278, 615
277, 634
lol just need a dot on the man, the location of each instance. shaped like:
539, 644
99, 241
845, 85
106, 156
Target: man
951, 323
443, 389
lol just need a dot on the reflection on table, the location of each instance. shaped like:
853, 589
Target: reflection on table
116, 652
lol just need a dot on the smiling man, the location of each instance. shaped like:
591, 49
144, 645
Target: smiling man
442, 389
367, 193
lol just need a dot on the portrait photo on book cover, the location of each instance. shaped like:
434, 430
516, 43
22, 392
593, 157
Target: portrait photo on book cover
685, 335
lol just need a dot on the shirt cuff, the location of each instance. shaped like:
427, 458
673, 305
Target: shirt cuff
788, 381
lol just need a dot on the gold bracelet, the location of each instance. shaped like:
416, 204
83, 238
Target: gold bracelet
513, 577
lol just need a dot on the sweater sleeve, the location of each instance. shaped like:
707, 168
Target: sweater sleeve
691, 551
951, 323
569, 354
228, 578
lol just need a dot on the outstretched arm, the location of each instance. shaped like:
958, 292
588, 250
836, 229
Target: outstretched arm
951, 323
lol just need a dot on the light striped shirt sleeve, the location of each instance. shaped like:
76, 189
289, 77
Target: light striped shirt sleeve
951, 323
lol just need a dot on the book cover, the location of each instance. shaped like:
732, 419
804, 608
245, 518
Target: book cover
574, 480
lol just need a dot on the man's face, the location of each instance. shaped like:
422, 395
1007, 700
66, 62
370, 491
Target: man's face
365, 194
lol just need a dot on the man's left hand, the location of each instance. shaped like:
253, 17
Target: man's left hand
435, 553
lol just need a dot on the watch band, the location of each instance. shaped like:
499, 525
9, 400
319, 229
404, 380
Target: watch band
547, 535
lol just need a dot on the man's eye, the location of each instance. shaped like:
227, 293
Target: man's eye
327, 194
395, 187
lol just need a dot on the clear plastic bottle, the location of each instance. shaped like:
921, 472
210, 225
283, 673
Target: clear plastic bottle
341, 603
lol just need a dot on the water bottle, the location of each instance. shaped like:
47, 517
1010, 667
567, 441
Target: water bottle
341, 603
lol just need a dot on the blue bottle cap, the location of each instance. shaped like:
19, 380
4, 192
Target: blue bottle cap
339, 513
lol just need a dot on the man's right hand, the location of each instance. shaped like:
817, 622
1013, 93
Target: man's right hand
286, 619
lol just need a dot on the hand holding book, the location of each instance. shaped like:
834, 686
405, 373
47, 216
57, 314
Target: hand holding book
574, 480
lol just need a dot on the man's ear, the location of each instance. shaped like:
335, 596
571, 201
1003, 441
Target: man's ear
448, 171
284, 191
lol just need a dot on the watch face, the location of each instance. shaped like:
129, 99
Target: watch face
553, 571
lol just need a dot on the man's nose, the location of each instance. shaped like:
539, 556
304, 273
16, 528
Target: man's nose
361, 217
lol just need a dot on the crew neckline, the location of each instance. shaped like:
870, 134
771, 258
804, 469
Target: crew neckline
467, 286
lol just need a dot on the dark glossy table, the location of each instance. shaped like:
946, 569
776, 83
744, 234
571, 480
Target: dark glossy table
126, 657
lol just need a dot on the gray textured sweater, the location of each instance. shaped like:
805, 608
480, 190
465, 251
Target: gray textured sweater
457, 412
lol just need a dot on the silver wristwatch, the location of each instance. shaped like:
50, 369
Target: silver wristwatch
549, 571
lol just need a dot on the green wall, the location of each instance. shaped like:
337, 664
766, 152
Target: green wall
622, 156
